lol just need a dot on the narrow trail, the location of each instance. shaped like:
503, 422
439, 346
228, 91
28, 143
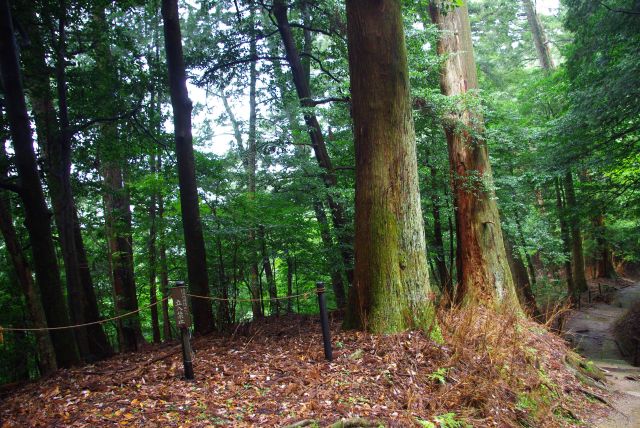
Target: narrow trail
590, 330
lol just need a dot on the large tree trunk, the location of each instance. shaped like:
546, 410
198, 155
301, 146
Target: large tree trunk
55, 138
301, 83
193, 237
391, 281
577, 255
37, 217
46, 354
483, 271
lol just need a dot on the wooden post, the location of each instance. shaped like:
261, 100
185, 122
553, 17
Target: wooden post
637, 352
589, 296
183, 322
324, 321
600, 289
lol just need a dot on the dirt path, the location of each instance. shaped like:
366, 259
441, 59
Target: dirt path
590, 331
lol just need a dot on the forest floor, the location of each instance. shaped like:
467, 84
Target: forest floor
490, 371
590, 330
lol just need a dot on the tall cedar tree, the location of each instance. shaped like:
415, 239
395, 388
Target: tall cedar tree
484, 275
194, 241
37, 216
391, 282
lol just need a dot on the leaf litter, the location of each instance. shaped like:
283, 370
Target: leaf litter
273, 373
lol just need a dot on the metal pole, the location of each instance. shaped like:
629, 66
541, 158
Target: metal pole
324, 321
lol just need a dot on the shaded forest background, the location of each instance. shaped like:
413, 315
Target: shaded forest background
277, 208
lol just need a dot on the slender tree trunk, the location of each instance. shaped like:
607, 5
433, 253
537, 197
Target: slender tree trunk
523, 242
46, 354
152, 254
391, 282
604, 266
290, 284
37, 217
484, 275
118, 227
55, 138
566, 240
303, 90
193, 237
579, 278
539, 37
164, 269
521, 280
438, 242
274, 303
336, 276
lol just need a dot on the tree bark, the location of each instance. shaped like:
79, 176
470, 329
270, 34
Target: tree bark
303, 90
337, 283
164, 269
391, 281
37, 216
194, 240
438, 241
46, 354
274, 303
604, 261
566, 240
152, 254
483, 272
577, 255
118, 228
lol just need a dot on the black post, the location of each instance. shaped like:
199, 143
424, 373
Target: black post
183, 321
637, 352
600, 289
324, 321
186, 354
589, 296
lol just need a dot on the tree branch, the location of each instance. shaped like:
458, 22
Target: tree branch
324, 70
625, 11
329, 100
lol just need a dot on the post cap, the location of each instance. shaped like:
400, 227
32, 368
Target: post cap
179, 284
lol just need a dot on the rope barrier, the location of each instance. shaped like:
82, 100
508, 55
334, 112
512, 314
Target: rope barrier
221, 299
85, 324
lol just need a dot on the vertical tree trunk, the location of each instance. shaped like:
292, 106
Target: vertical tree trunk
274, 303
484, 275
46, 354
193, 237
55, 138
336, 274
604, 265
164, 269
521, 279
579, 277
118, 227
438, 242
566, 241
290, 283
303, 90
391, 281
37, 218
152, 253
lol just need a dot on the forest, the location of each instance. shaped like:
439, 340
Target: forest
459, 179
